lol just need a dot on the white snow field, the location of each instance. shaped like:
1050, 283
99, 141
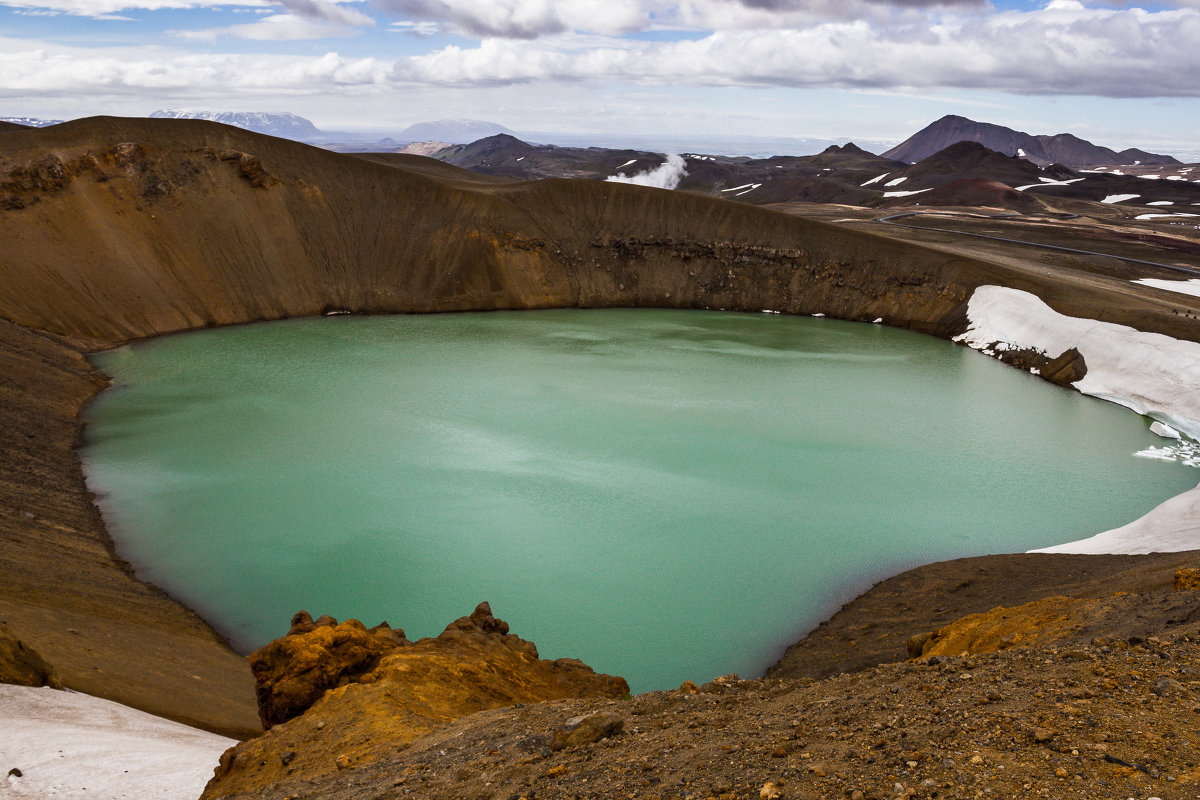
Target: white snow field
71, 745
1151, 374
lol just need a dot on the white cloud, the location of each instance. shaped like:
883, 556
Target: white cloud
327, 11
52, 71
1064, 49
413, 28
277, 28
106, 8
1056, 51
528, 19
323, 10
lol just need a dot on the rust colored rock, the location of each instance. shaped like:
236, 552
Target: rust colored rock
999, 629
293, 672
365, 713
1187, 579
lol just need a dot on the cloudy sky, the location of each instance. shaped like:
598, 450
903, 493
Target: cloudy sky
874, 70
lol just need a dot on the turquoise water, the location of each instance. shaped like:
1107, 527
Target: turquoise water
666, 495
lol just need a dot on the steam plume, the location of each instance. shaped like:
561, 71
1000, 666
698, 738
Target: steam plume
666, 176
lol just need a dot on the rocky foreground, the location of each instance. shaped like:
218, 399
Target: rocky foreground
1013, 702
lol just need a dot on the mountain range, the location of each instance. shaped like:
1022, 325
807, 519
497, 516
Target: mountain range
1062, 148
282, 124
965, 173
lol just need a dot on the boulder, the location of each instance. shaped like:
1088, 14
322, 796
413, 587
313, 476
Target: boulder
293, 672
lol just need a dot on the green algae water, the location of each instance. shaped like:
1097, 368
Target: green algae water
666, 495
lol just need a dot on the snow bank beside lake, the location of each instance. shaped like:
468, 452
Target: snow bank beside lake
71, 745
1152, 374
1170, 527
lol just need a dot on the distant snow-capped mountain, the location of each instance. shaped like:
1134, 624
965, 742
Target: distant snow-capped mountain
31, 122
453, 131
284, 124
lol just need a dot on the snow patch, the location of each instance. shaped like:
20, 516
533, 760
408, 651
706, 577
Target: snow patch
1161, 203
1117, 198
905, 194
1164, 216
628, 163
1048, 182
743, 186
666, 176
74, 745
875, 179
896, 181
1150, 177
1191, 286
1152, 374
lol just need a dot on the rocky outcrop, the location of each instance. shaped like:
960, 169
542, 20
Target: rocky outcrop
366, 713
1107, 720
22, 665
1064, 369
293, 672
1035, 622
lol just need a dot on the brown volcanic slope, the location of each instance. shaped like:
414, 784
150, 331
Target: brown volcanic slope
118, 229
